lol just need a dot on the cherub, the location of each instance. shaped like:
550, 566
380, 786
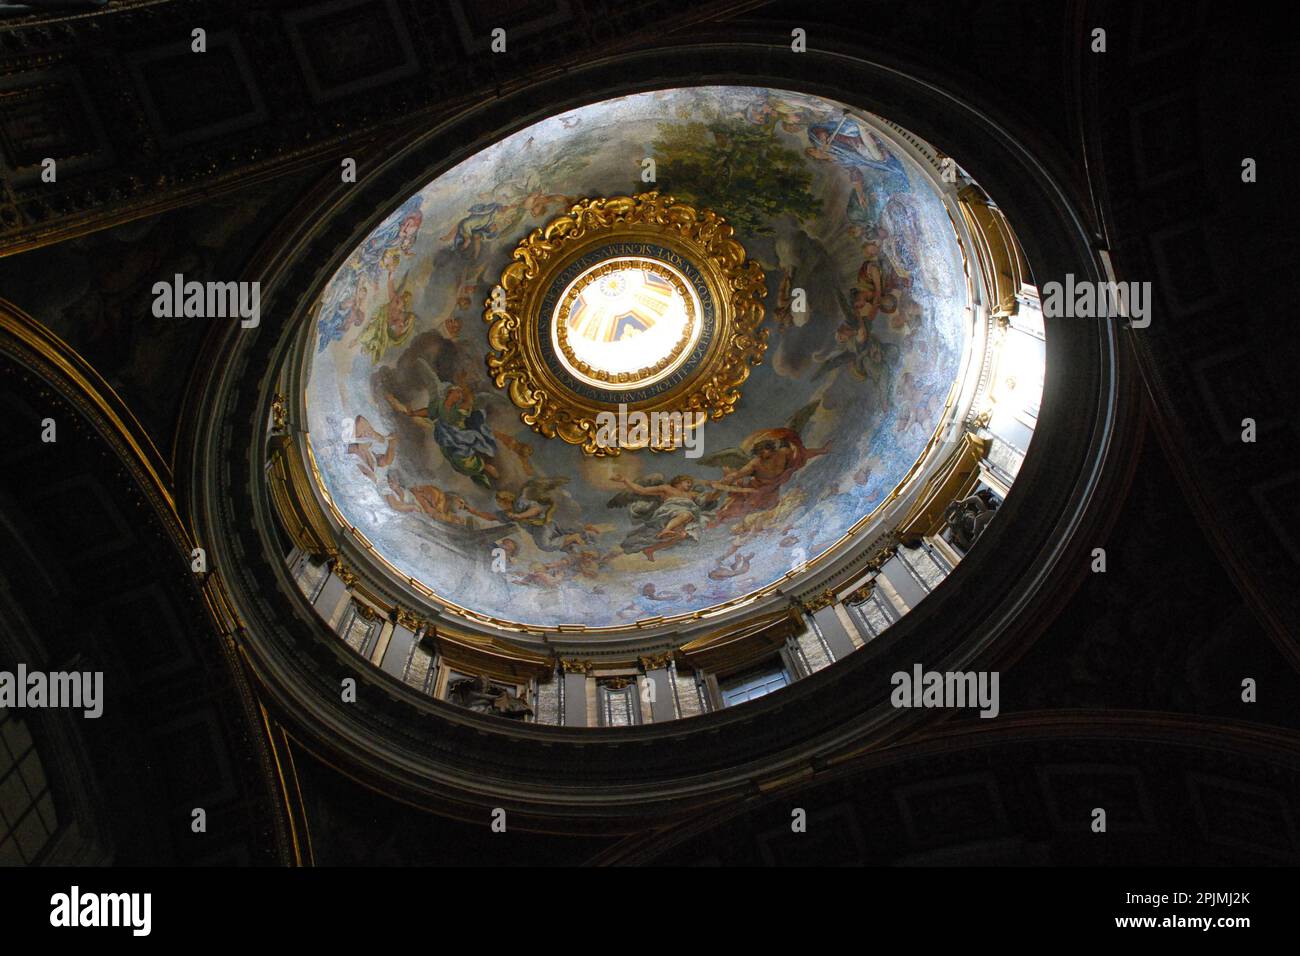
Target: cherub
651, 593
360, 437
575, 563
910, 401
509, 550
539, 575
739, 565
440, 505
852, 335
867, 357
906, 315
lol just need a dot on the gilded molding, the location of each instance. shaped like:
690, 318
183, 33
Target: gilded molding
408, 619
744, 644
343, 572
655, 662
860, 593
550, 405
279, 413
954, 480
819, 601
1001, 262
290, 486
881, 558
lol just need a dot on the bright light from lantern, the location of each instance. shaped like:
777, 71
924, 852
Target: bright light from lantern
639, 315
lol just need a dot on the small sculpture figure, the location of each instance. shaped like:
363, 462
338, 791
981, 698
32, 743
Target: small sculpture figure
484, 697
968, 518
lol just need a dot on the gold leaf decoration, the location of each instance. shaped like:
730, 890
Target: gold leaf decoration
552, 406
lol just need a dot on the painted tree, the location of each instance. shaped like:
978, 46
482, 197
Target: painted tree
736, 169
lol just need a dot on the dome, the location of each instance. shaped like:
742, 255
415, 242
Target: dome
865, 324
326, 530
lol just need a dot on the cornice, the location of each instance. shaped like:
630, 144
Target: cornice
1257, 744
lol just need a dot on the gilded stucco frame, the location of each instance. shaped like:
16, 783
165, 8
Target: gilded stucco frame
552, 406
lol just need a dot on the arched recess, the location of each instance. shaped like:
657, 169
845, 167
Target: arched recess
103, 583
433, 754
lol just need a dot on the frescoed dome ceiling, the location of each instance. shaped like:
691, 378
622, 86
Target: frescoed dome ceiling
420, 451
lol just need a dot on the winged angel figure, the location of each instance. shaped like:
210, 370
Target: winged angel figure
459, 427
667, 513
761, 465
533, 509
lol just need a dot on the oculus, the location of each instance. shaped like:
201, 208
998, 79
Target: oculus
626, 323
639, 302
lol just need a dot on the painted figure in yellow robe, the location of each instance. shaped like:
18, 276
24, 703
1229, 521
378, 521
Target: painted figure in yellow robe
392, 324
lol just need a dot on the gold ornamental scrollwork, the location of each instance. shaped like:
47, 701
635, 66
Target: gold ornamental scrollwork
342, 571
279, 413
860, 593
818, 601
655, 661
408, 619
703, 389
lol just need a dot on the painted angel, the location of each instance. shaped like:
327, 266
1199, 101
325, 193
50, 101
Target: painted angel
857, 148
459, 427
393, 323
533, 509
396, 234
857, 349
343, 307
666, 513
737, 566
360, 439
477, 224
761, 465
